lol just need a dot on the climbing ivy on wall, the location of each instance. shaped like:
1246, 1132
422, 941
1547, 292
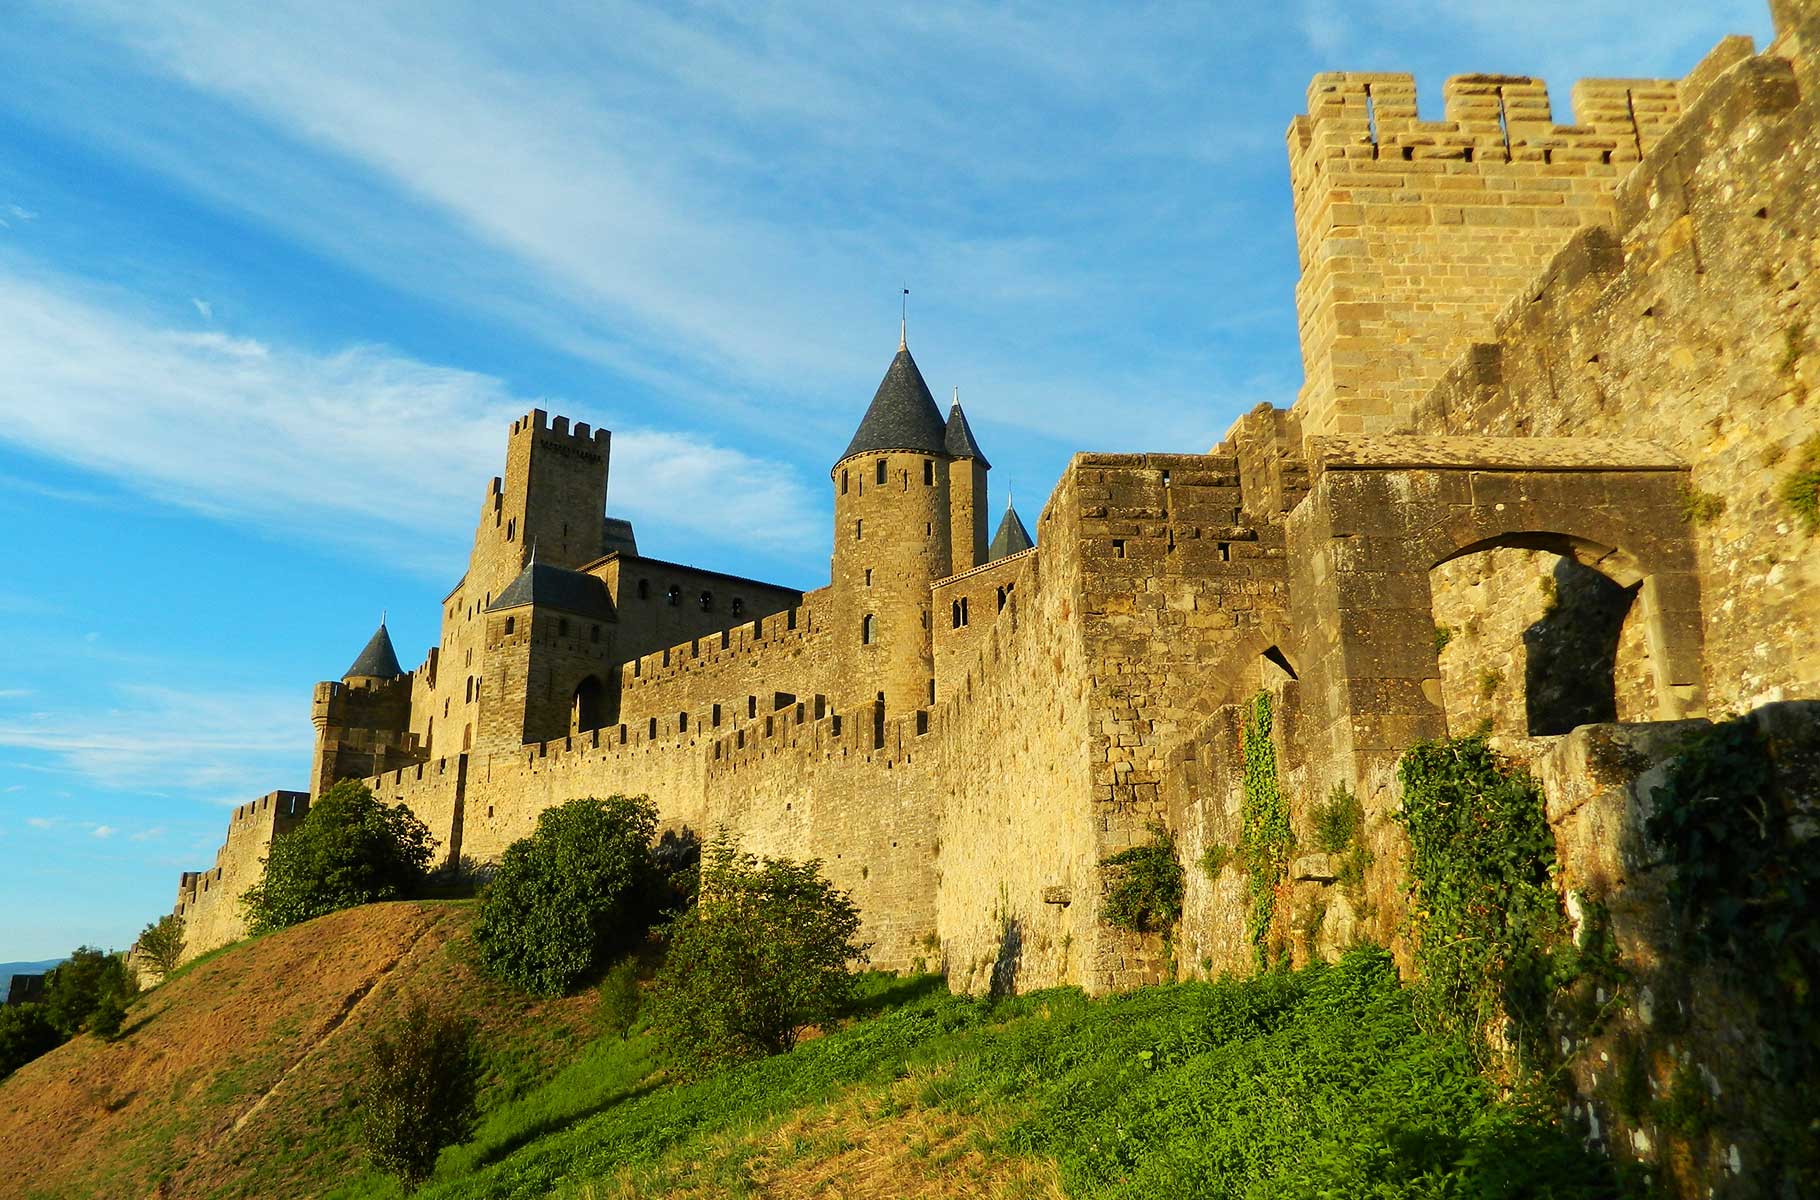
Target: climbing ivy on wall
1745, 883
1144, 891
1489, 927
1265, 841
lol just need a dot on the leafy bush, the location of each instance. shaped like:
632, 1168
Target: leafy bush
349, 849
1144, 893
78, 987
616, 1000
564, 898
1486, 914
26, 1031
416, 1091
1338, 821
762, 956
1801, 490
161, 943
108, 1015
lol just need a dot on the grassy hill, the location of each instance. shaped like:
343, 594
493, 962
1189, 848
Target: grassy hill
1316, 1083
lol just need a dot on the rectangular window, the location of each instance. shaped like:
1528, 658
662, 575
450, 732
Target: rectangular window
928, 472
843, 483
1118, 547
868, 576
1225, 551
859, 530
881, 470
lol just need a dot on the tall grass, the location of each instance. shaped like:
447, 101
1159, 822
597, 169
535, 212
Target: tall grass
1311, 1083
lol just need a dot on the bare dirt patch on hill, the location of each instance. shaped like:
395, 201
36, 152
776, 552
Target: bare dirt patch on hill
230, 1080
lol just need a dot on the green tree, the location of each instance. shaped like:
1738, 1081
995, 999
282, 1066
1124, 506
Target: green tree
76, 988
349, 849
161, 943
763, 955
416, 1092
26, 1032
565, 898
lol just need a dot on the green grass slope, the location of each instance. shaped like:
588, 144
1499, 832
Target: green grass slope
1316, 1083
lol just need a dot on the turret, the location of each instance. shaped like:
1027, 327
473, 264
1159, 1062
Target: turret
1011, 538
892, 527
376, 663
546, 668
966, 490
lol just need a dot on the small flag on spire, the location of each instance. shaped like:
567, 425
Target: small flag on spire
903, 321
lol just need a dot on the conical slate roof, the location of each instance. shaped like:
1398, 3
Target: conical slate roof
903, 415
378, 660
1011, 538
959, 438
555, 587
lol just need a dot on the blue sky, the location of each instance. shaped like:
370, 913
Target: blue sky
252, 256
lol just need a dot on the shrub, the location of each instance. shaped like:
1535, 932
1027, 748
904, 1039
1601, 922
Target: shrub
570, 894
1700, 508
1338, 821
26, 1031
161, 943
108, 1015
616, 1005
350, 849
1265, 839
762, 955
1480, 861
74, 990
1801, 490
1145, 889
416, 1091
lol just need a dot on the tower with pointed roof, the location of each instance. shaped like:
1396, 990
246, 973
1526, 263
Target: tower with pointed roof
892, 540
967, 469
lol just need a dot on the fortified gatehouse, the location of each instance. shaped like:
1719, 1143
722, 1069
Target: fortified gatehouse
1555, 375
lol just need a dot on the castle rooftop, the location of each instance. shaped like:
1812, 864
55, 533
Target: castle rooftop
1011, 538
378, 660
959, 437
549, 586
903, 415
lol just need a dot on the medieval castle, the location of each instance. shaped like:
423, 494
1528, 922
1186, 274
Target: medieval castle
1558, 379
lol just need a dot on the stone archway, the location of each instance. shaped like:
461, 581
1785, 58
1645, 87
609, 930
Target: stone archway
1382, 511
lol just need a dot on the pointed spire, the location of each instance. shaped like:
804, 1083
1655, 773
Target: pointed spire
902, 416
377, 660
1012, 537
958, 439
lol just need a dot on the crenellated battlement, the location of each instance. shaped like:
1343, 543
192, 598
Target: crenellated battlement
538, 422
791, 627
1489, 120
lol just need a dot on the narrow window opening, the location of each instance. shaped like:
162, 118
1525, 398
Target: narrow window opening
859, 530
1409, 154
562, 627
644, 589
1371, 120
706, 600
1165, 477
881, 470
1225, 551
843, 483
673, 597
751, 707
1503, 125
652, 728
1466, 155
682, 722
594, 634
511, 528
1118, 547
928, 472
868, 576
716, 716
739, 606
511, 623
868, 630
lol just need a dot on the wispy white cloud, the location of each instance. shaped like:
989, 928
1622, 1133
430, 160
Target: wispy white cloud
219, 746
104, 831
361, 444
204, 308
42, 822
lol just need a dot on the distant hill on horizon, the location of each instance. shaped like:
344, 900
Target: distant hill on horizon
10, 969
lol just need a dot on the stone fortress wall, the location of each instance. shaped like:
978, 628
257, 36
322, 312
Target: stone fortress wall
1556, 376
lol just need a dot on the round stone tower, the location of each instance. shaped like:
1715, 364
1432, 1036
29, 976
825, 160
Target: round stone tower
892, 535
